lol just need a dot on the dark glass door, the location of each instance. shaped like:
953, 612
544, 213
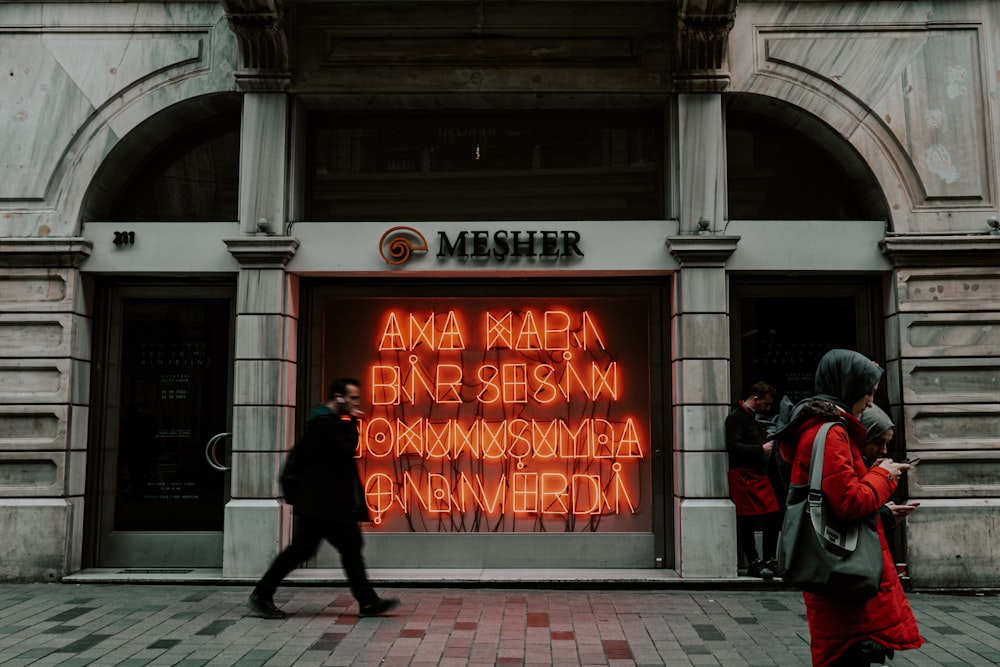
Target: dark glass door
165, 473
780, 330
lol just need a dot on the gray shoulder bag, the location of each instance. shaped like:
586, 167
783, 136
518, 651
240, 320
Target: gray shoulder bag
819, 552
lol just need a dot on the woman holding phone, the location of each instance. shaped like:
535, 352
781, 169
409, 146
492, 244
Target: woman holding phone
841, 632
879, 431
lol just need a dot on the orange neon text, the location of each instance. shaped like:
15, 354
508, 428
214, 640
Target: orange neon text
526, 493
496, 440
522, 331
506, 419
511, 383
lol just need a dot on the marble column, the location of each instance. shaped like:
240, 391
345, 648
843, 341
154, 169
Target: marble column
704, 517
264, 163
257, 523
701, 163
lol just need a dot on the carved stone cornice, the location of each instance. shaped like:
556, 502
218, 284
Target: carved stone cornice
260, 28
38, 252
262, 252
702, 250
942, 250
703, 28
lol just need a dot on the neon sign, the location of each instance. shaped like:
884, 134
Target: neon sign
497, 414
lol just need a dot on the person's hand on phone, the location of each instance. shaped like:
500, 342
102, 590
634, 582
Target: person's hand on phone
893, 468
900, 512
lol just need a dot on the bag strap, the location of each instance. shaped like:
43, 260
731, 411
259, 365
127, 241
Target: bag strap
845, 540
819, 447
815, 497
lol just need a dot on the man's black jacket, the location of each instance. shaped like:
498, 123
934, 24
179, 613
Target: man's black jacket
321, 478
744, 437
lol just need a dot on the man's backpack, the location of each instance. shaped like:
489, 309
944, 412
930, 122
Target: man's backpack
290, 478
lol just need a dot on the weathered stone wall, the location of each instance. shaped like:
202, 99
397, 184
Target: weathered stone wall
44, 408
949, 345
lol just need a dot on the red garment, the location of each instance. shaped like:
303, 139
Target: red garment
853, 492
752, 492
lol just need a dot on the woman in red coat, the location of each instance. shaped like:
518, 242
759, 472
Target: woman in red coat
849, 633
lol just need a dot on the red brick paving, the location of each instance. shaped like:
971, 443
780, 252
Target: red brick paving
617, 649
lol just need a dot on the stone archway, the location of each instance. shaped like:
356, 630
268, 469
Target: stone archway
811, 173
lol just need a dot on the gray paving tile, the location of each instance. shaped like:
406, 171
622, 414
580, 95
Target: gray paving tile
208, 626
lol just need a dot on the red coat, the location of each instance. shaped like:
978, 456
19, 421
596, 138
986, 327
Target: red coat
853, 492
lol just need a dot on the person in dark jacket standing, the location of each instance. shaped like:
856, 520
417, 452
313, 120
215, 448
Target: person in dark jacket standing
322, 484
750, 488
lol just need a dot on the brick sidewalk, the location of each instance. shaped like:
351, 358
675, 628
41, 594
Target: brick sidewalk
203, 625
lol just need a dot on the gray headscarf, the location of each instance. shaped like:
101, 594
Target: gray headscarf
876, 422
843, 377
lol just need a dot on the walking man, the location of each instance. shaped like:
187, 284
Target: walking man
321, 482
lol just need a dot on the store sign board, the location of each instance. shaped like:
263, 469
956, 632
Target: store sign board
500, 414
398, 245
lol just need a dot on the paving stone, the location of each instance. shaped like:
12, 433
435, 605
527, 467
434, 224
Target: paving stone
45, 625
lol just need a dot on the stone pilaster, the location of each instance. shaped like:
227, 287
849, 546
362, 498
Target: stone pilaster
701, 165
257, 524
705, 518
264, 164
44, 406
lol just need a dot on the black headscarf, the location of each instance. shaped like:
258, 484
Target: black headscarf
843, 377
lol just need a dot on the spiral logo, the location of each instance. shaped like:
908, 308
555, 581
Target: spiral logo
399, 243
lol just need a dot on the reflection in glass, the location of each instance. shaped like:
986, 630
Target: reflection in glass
173, 396
469, 167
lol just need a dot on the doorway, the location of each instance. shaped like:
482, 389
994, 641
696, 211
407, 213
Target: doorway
780, 330
162, 476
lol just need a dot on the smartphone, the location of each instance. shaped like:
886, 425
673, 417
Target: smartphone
914, 461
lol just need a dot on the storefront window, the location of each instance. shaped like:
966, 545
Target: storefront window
512, 167
501, 413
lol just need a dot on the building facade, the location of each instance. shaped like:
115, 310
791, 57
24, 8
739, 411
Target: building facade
554, 240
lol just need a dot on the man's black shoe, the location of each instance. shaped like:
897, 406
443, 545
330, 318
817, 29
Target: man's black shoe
264, 606
759, 569
379, 607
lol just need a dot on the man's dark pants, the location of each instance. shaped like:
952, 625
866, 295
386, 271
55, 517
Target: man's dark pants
344, 537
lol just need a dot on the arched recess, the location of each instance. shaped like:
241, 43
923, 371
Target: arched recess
785, 164
180, 164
